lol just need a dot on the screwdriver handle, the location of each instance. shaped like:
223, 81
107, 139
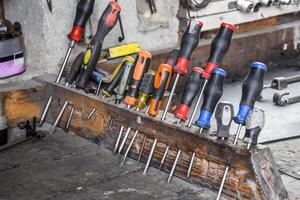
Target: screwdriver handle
189, 42
145, 89
141, 66
115, 79
83, 12
219, 48
212, 94
173, 57
75, 69
92, 54
192, 87
161, 83
252, 88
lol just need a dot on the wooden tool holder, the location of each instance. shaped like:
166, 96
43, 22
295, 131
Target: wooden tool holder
253, 174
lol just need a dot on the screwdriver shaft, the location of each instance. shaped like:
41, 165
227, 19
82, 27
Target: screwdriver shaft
174, 166
191, 166
248, 146
178, 122
142, 148
197, 104
201, 130
118, 140
129, 147
170, 97
59, 115
70, 119
124, 139
98, 88
91, 114
45, 111
223, 182
150, 157
237, 134
164, 157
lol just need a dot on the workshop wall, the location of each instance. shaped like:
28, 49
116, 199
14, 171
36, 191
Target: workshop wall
45, 33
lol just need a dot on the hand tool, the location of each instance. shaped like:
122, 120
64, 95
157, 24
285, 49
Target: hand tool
188, 174
91, 113
128, 148
49, 3
145, 90
150, 157
219, 48
252, 87
254, 124
141, 66
142, 148
75, 69
212, 94
224, 115
70, 119
118, 140
161, 82
280, 83
191, 89
189, 42
92, 54
121, 50
83, 12
174, 166
61, 112
121, 88
3, 123
282, 99
114, 79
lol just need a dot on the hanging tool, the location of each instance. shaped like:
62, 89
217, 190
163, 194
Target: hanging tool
162, 81
141, 66
254, 124
191, 89
219, 48
83, 12
212, 94
189, 42
121, 88
224, 115
70, 119
145, 90
49, 4
252, 88
92, 54
280, 83
282, 99
3, 123
174, 166
61, 112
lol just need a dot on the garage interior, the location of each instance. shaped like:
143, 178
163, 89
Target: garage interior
149, 99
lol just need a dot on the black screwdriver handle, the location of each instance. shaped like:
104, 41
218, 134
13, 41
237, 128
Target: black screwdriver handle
252, 88
219, 47
92, 54
173, 57
189, 42
75, 69
83, 12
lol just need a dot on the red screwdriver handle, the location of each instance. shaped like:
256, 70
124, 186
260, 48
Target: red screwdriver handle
83, 12
219, 48
189, 42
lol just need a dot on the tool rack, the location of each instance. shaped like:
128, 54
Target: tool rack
253, 174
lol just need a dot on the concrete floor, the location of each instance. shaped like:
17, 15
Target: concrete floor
69, 167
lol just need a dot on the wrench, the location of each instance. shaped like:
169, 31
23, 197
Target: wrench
282, 99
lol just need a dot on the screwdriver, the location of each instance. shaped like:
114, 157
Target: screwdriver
251, 90
71, 76
145, 90
141, 66
212, 94
189, 42
224, 115
191, 89
114, 79
83, 12
121, 88
219, 47
106, 23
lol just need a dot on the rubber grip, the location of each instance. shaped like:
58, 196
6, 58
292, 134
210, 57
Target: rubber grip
83, 12
145, 90
191, 89
251, 90
75, 69
161, 83
173, 57
219, 47
189, 42
212, 94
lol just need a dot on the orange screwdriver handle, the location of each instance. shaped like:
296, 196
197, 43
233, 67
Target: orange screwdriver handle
141, 66
161, 83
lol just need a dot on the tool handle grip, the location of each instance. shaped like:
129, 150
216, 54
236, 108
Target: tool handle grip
75, 69
145, 90
141, 66
192, 87
252, 88
83, 12
173, 57
189, 42
219, 47
212, 94
161, 83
